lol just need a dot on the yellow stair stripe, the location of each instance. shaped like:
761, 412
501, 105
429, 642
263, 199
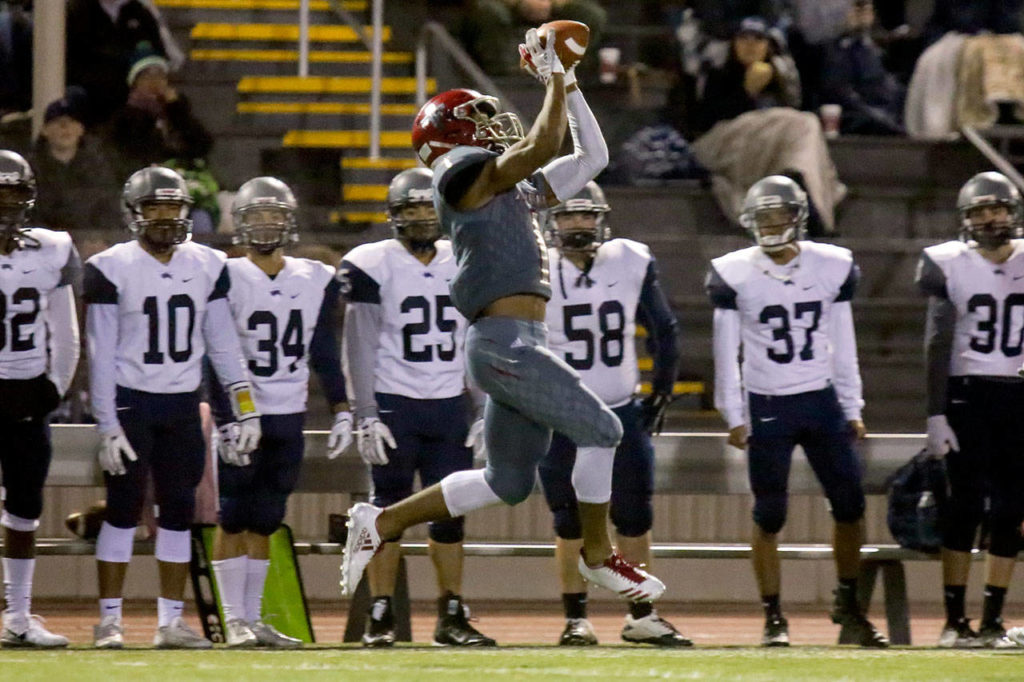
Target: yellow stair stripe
364, 192
345, 138
319, 34
645, 364
678, 388
314, 5
328, 108
328, 85
315, 56
365, 163
358, 217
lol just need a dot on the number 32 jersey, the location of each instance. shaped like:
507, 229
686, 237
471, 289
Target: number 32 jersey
418, 334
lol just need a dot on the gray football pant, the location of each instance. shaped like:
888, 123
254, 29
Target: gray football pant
530, 393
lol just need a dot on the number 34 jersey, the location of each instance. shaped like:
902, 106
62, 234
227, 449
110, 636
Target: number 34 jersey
420, 343
785, 313
276, 319
988, 338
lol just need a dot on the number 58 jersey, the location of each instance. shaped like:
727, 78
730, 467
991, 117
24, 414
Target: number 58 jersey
420, 336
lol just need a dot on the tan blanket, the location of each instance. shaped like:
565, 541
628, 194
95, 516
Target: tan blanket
991, 71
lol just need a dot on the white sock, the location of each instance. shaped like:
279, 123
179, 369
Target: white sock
230, 574
18, 586
167, 610
255, 579
111, 607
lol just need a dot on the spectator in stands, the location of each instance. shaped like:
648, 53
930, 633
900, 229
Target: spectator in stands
76, 186
492, 29
102, 36
752, 128
15, 56
854, 76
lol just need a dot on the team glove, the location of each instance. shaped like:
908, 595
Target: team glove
114, 450
247, 416
941, 438
652, 412
371, 438
341, 434
227, 445
475, 439
540, 62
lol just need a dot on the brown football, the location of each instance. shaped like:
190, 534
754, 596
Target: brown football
571, 39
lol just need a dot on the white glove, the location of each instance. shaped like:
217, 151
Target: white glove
541, 62
475, 439
227, 445
341, 435
371, 437
248, 418
114, 450
249, 434
941, 438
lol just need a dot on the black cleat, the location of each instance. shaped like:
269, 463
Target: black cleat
380, 626
453, 628
653, 629
578, 632
776, 632
856, 629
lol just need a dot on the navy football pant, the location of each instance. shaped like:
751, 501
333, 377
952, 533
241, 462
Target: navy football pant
632, 480
26, 453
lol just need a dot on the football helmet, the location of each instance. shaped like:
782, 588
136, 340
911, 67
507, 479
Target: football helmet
990, 189
413, 187
264, 211
589, 200
775, 201
157, 185
17, 193
463, 117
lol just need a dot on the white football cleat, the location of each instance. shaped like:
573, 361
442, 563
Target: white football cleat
22, 632
109, 634
362, 543
625, 579
238, 635
267, 635
1016, 635
178, 635
653, 629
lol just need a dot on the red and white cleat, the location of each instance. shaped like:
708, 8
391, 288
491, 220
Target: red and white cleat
362, 543
625, 579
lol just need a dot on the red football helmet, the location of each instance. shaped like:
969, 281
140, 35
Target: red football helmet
462, 117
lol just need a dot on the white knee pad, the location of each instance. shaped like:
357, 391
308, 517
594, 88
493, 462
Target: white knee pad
8, 520
115, 544
465, 491
592, 474
173, 546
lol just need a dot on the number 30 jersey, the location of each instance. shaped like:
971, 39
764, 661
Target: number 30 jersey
403, 334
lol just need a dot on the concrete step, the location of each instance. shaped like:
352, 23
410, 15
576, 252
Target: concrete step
280, 117
260, 5
327, 85
179, 17
277, 33
238, 63
348, 139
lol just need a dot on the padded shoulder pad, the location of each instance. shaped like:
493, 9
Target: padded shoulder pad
362, 271
930, 277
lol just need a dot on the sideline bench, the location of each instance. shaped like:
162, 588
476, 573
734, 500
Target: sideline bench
695, 463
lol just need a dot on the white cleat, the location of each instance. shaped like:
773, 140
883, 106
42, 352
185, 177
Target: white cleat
109, 634
1016, 635
238, 635
22, 632
362, 543
959, 635
653, 629
178, 635
625, 579
267, 635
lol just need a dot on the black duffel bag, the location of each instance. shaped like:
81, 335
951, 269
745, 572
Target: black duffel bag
918, 493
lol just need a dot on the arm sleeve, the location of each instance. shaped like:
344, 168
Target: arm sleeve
324, 355
101, 337
220, 404
360, 339
222, 345
64, 344
655, 314
568, 174
938, 351
849, 286
845, 369
728, 385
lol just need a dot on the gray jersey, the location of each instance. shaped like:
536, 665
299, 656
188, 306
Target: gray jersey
498, 247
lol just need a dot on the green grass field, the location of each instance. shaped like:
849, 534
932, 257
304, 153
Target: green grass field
412, 664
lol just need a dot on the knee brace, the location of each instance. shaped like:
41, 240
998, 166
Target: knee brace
267, 514
592, 474
567, 522
632, 515
1004, 539
177, 509
173, 546
115, 544
449, 531
847, 503
22, 525
770, 512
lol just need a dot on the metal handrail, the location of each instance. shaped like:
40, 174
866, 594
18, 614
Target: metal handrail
435, 31
994, 157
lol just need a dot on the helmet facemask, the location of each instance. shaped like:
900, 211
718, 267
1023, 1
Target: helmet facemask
16, 201
775, 224
577, 230
162, 233
419, 229
499, 129
989, 227
265, 227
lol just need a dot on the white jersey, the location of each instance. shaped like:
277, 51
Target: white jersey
276, 318
591, 317
988, 337
160, 311
786, 320
420, 335
28, 276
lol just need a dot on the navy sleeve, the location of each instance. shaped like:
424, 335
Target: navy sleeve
71, 273
324, 352
721, 294
214, 393
655, 314
355, 285
930, 278
96, 288
849, 285
222, 285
